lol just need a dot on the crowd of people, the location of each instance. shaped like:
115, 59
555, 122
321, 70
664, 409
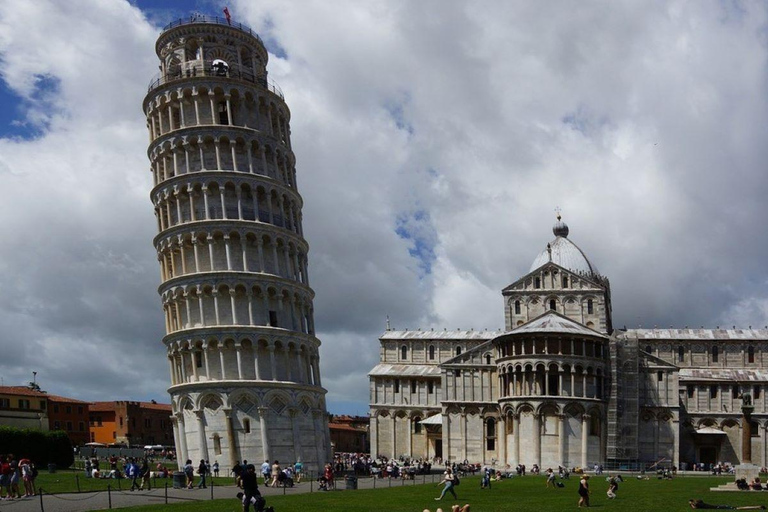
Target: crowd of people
13, 473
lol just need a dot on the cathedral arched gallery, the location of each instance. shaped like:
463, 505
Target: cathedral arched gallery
561, 386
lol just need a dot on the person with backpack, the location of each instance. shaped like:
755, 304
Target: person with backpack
202, 469
189, 472
450, 480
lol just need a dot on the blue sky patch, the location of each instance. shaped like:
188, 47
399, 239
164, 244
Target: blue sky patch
416, 227
24, 118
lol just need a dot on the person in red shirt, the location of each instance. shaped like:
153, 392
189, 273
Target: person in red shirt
328, 475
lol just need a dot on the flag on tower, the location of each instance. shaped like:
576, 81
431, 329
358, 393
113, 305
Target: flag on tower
226, 14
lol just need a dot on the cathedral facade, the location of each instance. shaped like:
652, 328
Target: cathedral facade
561, 386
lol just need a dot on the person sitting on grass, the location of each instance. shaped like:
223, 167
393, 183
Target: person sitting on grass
613, 486
698, 504
448, 480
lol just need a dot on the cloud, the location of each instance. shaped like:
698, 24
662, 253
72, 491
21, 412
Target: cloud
433, 142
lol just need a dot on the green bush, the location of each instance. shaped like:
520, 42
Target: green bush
41, 447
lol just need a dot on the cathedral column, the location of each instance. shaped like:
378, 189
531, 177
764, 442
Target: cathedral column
176, 439
394, 435
446, 436
183, 453
205, 358
584, 432
502, 436
374, 432
272, 364
221, 361
201, 432
233, 451
409, 423
516, 439
296, 435
676, 441
573, 381
537, 439
561, 439
463, 435
765, 445
263, 431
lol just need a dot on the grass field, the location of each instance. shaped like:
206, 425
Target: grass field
518, 494
74, 481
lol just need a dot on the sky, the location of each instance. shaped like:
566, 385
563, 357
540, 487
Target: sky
433, 139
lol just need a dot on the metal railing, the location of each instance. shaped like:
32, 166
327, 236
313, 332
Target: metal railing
207, 69
214, 20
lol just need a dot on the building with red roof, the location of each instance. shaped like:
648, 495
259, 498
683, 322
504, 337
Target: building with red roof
132, 423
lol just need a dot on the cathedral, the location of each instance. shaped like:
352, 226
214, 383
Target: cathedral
561, 386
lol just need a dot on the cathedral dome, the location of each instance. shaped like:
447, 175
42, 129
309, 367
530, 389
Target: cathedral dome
565, 253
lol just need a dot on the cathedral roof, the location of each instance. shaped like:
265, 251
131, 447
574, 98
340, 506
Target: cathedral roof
697, 334
553, 322
405, 370
723, 374
564, 253
440, 335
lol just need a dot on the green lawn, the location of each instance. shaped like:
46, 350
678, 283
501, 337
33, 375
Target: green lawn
518, 494
68, 481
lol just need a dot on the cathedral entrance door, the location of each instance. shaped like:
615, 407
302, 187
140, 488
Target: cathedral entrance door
439, 448
708, 455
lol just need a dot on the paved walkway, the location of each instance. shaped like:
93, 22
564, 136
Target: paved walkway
87, 501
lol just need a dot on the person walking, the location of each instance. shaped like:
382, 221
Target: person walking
275, 473
132, 472
215, 469
266, 470
449, 480
202, 469
250, 486
145, 473
584, 491
189, 472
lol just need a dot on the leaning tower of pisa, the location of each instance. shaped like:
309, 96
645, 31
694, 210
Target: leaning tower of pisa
241, 345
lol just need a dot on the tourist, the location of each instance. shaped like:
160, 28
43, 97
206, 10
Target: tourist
237, 470
145, 474
584, 491
132, 472
275, 473
328, 475
266, 471
216, 468
449, 480
698, 504
15, 476
202, 469
551, 478
613, 486
26, 476
250, 486
297, 469
189, 472
485, 482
